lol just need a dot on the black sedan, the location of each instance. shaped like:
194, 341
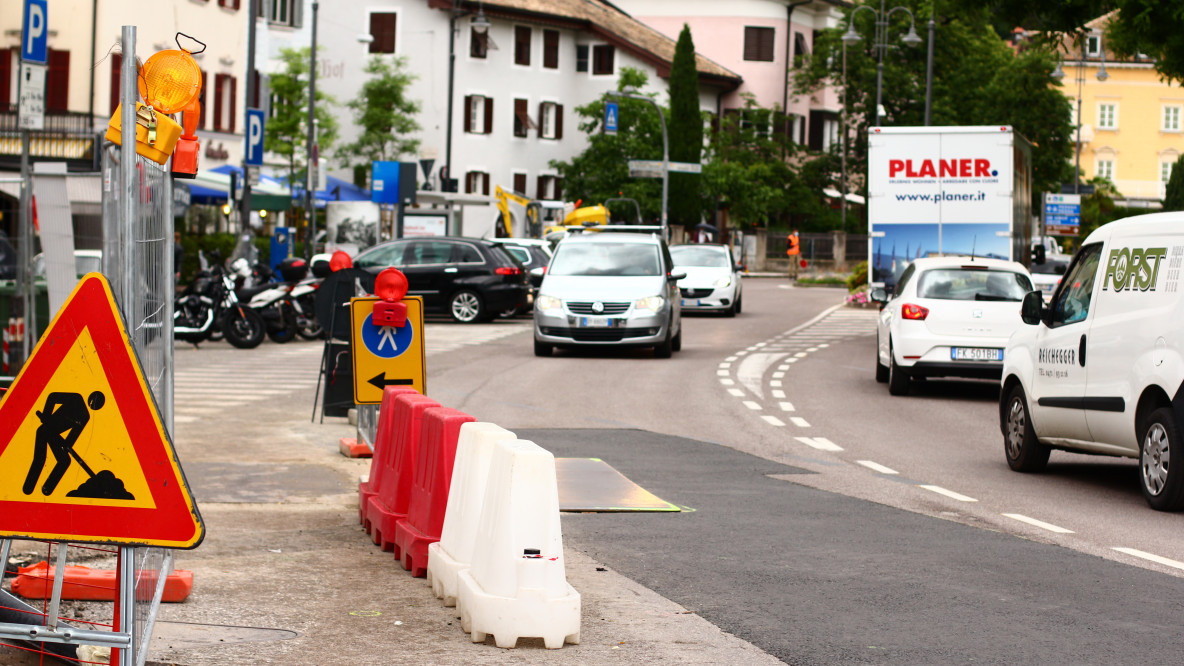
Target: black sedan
468, 278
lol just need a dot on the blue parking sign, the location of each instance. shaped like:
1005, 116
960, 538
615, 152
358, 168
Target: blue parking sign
255, 137
35, 31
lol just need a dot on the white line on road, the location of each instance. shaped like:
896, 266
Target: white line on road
755, 406
739, 393
799, 422
727, 382
785, 406
1038, 523
775, 383
725, 365
778, 375
772, 420
821, 443
778, 393
812, 349
1154, 558
823, 346
722, 373
948, 493
877, 467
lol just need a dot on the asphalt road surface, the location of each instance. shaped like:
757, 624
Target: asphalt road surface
830, 522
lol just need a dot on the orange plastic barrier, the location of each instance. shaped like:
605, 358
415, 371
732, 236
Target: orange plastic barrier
84, 583
429, 488
397, 462
384, 431
351, 448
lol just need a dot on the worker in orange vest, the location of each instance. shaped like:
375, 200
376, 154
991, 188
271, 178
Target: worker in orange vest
793, 248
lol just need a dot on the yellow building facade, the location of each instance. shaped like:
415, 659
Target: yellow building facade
1132, 123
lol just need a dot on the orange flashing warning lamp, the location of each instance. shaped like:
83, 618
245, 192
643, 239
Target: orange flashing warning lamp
340, 260
391, 287
170, 82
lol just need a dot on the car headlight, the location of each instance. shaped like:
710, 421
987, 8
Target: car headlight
723, 281
650, 304
545, 303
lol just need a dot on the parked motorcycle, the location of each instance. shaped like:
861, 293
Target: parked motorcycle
209, 304
274, 301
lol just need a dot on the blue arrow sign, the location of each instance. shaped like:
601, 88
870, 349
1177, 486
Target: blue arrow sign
35, 31
255, 122
611, 114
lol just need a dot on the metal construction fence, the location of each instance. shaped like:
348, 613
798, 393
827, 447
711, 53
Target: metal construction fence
820, 246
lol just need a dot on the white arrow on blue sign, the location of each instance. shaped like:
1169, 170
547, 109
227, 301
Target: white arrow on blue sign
254, 137
35, 31
611, 114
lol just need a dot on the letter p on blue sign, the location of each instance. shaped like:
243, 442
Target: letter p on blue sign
255, 137
35, 31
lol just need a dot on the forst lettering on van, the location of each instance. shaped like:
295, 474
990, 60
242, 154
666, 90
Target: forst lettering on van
954, 168
1133, 268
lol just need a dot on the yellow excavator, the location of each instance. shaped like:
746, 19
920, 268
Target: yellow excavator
541, 216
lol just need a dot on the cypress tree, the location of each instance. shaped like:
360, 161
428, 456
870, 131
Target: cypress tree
686, 133
1174, 195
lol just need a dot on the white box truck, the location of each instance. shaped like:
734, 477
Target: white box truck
939, 191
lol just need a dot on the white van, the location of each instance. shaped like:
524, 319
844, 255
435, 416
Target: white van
1100, 369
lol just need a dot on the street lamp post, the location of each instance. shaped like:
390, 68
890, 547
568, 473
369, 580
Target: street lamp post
481, 25
1059, 74
880, 42
665, 148
311, 178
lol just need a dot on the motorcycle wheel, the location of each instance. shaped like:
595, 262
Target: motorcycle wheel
287, 330
307, 325
243, 327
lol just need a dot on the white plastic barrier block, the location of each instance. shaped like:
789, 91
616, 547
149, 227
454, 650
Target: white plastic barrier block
466, 493
517, 586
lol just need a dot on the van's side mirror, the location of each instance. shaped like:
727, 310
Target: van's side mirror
1032, 309
1038, 255
878, 295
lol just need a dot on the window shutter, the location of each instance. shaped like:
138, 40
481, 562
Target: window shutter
116, 65
520, 183
57, 84
218, 101
5, 76
485, 184
382, 28
558, 188
233, 101
205, 110
551, 49
558, 123
522, 39
468, 114
488, 119
297, 12
521, 119
543, 120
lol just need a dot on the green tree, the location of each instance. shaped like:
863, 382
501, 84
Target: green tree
686, 133
1174, 197
977, 80
385, 114
287, 129
602, 172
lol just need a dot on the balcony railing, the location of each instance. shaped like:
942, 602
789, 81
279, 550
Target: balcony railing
68, 135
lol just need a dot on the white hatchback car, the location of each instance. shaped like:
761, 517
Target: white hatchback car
950, 317
712, 283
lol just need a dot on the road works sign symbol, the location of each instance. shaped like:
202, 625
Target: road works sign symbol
84, 456
386, 355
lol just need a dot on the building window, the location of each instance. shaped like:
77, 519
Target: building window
522, 45
758, 121
1171, 119
1107, 116
116, 71
224, 102
581, 57
551, 49
759, 43
478, 43
57, 81
382, 29
551, 120
204, 112
801, 49
477, 182
520, 183
1093, 46
602, 58
550, 187
1105, 169
478, 114
6, 77
229, 4
1165, 171
522, 120
281, 12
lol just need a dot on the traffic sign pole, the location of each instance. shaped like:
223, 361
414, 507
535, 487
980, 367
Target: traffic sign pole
34, 49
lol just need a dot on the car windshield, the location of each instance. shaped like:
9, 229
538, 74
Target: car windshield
701, 255
615, 259
1050, 268
973, 284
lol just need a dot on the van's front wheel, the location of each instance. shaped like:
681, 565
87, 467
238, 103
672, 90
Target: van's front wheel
1161, 462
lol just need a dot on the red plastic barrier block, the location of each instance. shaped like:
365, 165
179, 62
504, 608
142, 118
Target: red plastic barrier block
386, 419
351, 448
429, 488
84, 583
394, 465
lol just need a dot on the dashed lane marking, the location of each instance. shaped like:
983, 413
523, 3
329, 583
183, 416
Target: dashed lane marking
799, 422
820, 443
778, 393
785, 406
948, 493
755, 406
739, 393
1154, 558
1038, 523
877, 467
772, 420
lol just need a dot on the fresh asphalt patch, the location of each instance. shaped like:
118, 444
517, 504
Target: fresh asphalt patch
817, 578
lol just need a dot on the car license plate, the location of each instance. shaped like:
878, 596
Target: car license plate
690, 301
975, 354
596, 322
